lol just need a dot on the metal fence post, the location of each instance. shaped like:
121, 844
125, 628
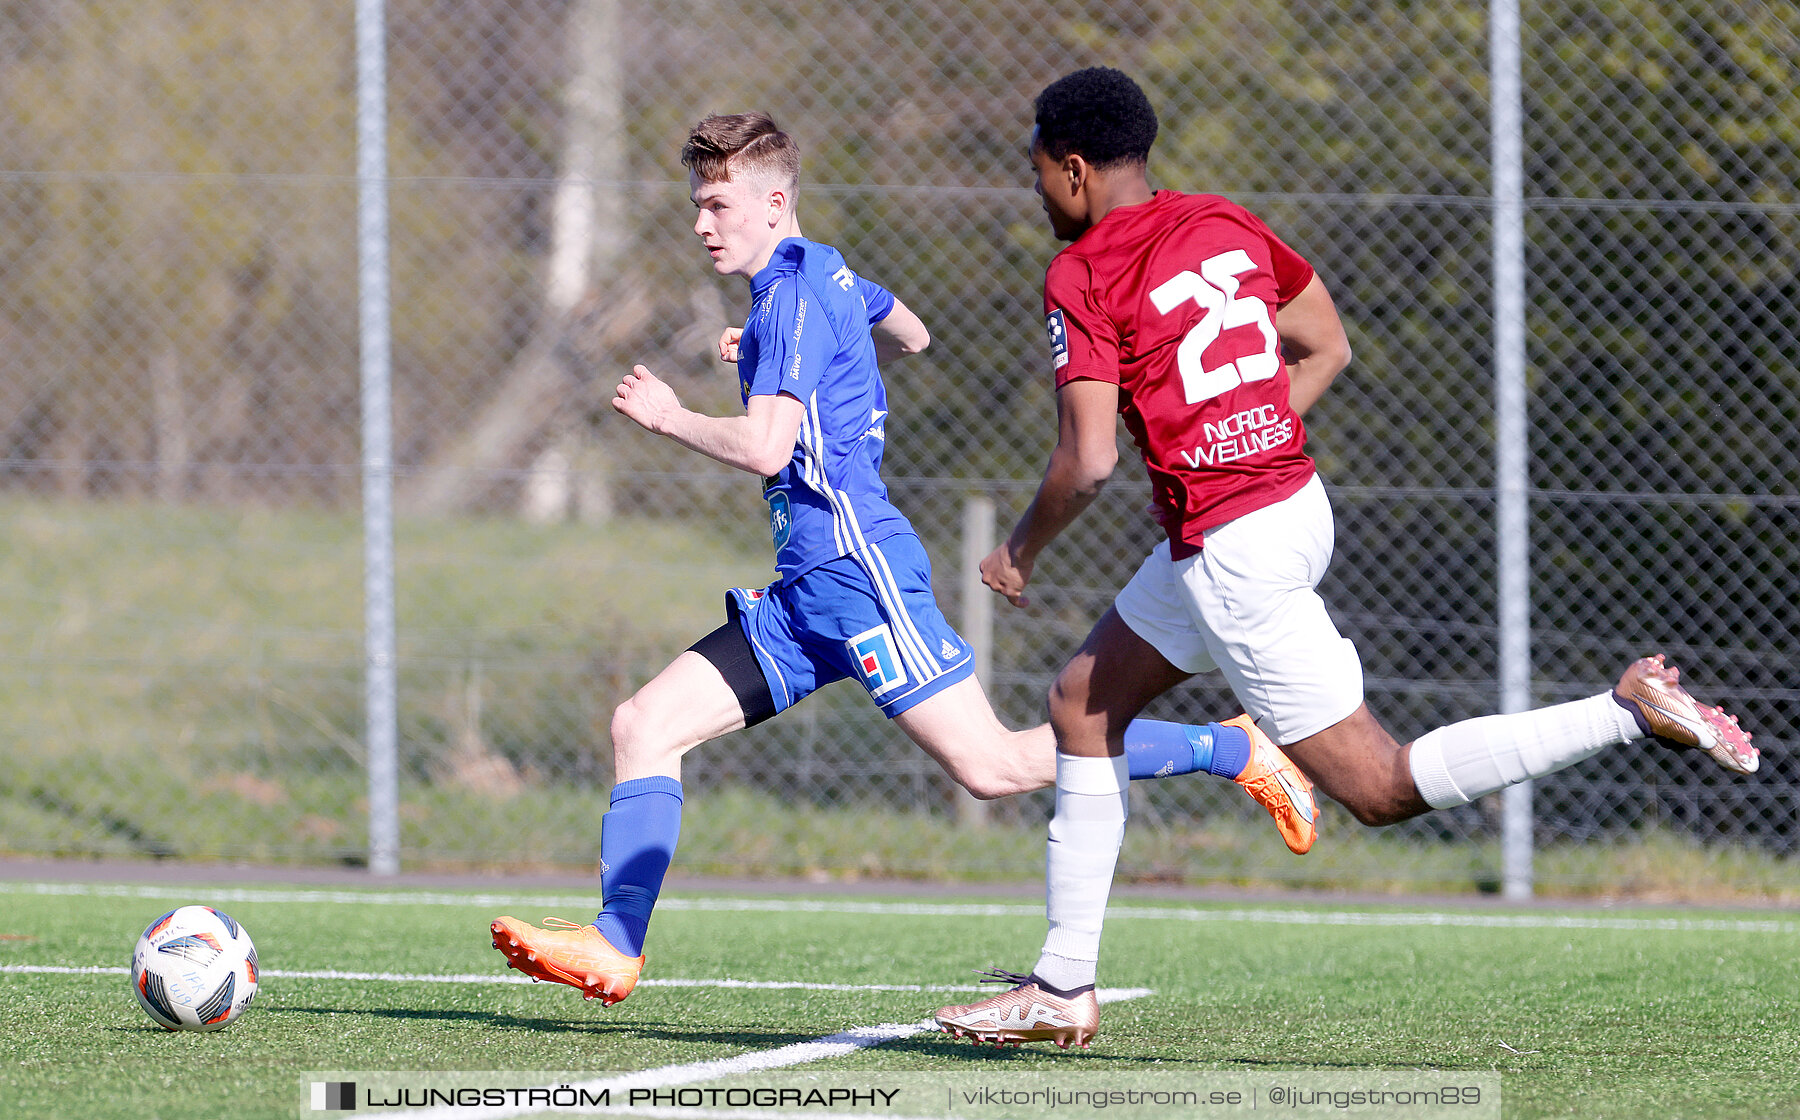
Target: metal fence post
1511, 474
977, 617
377, 437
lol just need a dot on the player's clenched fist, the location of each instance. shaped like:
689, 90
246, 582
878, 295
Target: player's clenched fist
728, 344
646, 398
1007, 574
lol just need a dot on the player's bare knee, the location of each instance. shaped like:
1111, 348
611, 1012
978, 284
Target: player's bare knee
984, 786
1378, 807
633, 736
990, 781
625, 720
1065, 708
1374, 815
977, 772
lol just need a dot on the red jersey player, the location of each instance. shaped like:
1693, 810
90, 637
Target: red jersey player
1199, 278
1186, 315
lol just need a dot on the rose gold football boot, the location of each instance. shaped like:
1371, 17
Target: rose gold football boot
1027, 1013
1653, 690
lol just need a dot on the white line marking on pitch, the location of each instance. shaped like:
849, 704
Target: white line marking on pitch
487, 978
1264, 915
678, 1113
799, 1053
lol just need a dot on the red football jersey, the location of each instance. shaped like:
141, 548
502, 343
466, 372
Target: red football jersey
1174, 301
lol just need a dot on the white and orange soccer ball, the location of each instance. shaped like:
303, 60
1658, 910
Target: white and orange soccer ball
194, 969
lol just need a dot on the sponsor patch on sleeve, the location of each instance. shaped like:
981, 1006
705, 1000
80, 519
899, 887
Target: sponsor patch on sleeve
1059, 339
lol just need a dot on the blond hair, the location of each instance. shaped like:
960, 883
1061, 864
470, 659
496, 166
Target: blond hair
721, 148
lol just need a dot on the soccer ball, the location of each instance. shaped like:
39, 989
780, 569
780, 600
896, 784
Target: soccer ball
194, 969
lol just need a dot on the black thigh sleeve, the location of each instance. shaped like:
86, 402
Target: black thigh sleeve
730, 653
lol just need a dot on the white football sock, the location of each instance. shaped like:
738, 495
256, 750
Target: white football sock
1085, 835
1456, 764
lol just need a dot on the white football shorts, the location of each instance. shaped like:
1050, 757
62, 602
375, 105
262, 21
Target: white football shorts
1248, 605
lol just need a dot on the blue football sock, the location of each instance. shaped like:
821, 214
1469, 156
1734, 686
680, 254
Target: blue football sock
1229, 751
637, 840
1155, 748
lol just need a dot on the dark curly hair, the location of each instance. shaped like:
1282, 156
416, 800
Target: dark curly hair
1098, 113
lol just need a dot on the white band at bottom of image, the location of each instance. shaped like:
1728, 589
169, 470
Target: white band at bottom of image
990, 1093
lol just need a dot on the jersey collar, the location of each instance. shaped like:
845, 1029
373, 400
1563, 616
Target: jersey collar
785, 259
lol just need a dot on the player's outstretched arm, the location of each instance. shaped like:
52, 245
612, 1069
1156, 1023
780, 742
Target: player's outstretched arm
898, 334
1313, 343
761, 441
1086, 452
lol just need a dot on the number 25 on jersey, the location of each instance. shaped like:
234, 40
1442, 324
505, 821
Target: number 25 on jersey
1214, 288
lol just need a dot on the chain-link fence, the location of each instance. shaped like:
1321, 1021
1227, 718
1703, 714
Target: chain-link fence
180, 590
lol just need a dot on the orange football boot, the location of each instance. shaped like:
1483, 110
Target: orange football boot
1278, 786
568, 953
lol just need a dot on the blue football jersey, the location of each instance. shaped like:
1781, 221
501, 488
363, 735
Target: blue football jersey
808, 336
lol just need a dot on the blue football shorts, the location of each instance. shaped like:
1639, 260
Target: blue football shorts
870, 616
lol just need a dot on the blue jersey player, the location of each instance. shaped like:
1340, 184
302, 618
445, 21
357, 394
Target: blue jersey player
854, 595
